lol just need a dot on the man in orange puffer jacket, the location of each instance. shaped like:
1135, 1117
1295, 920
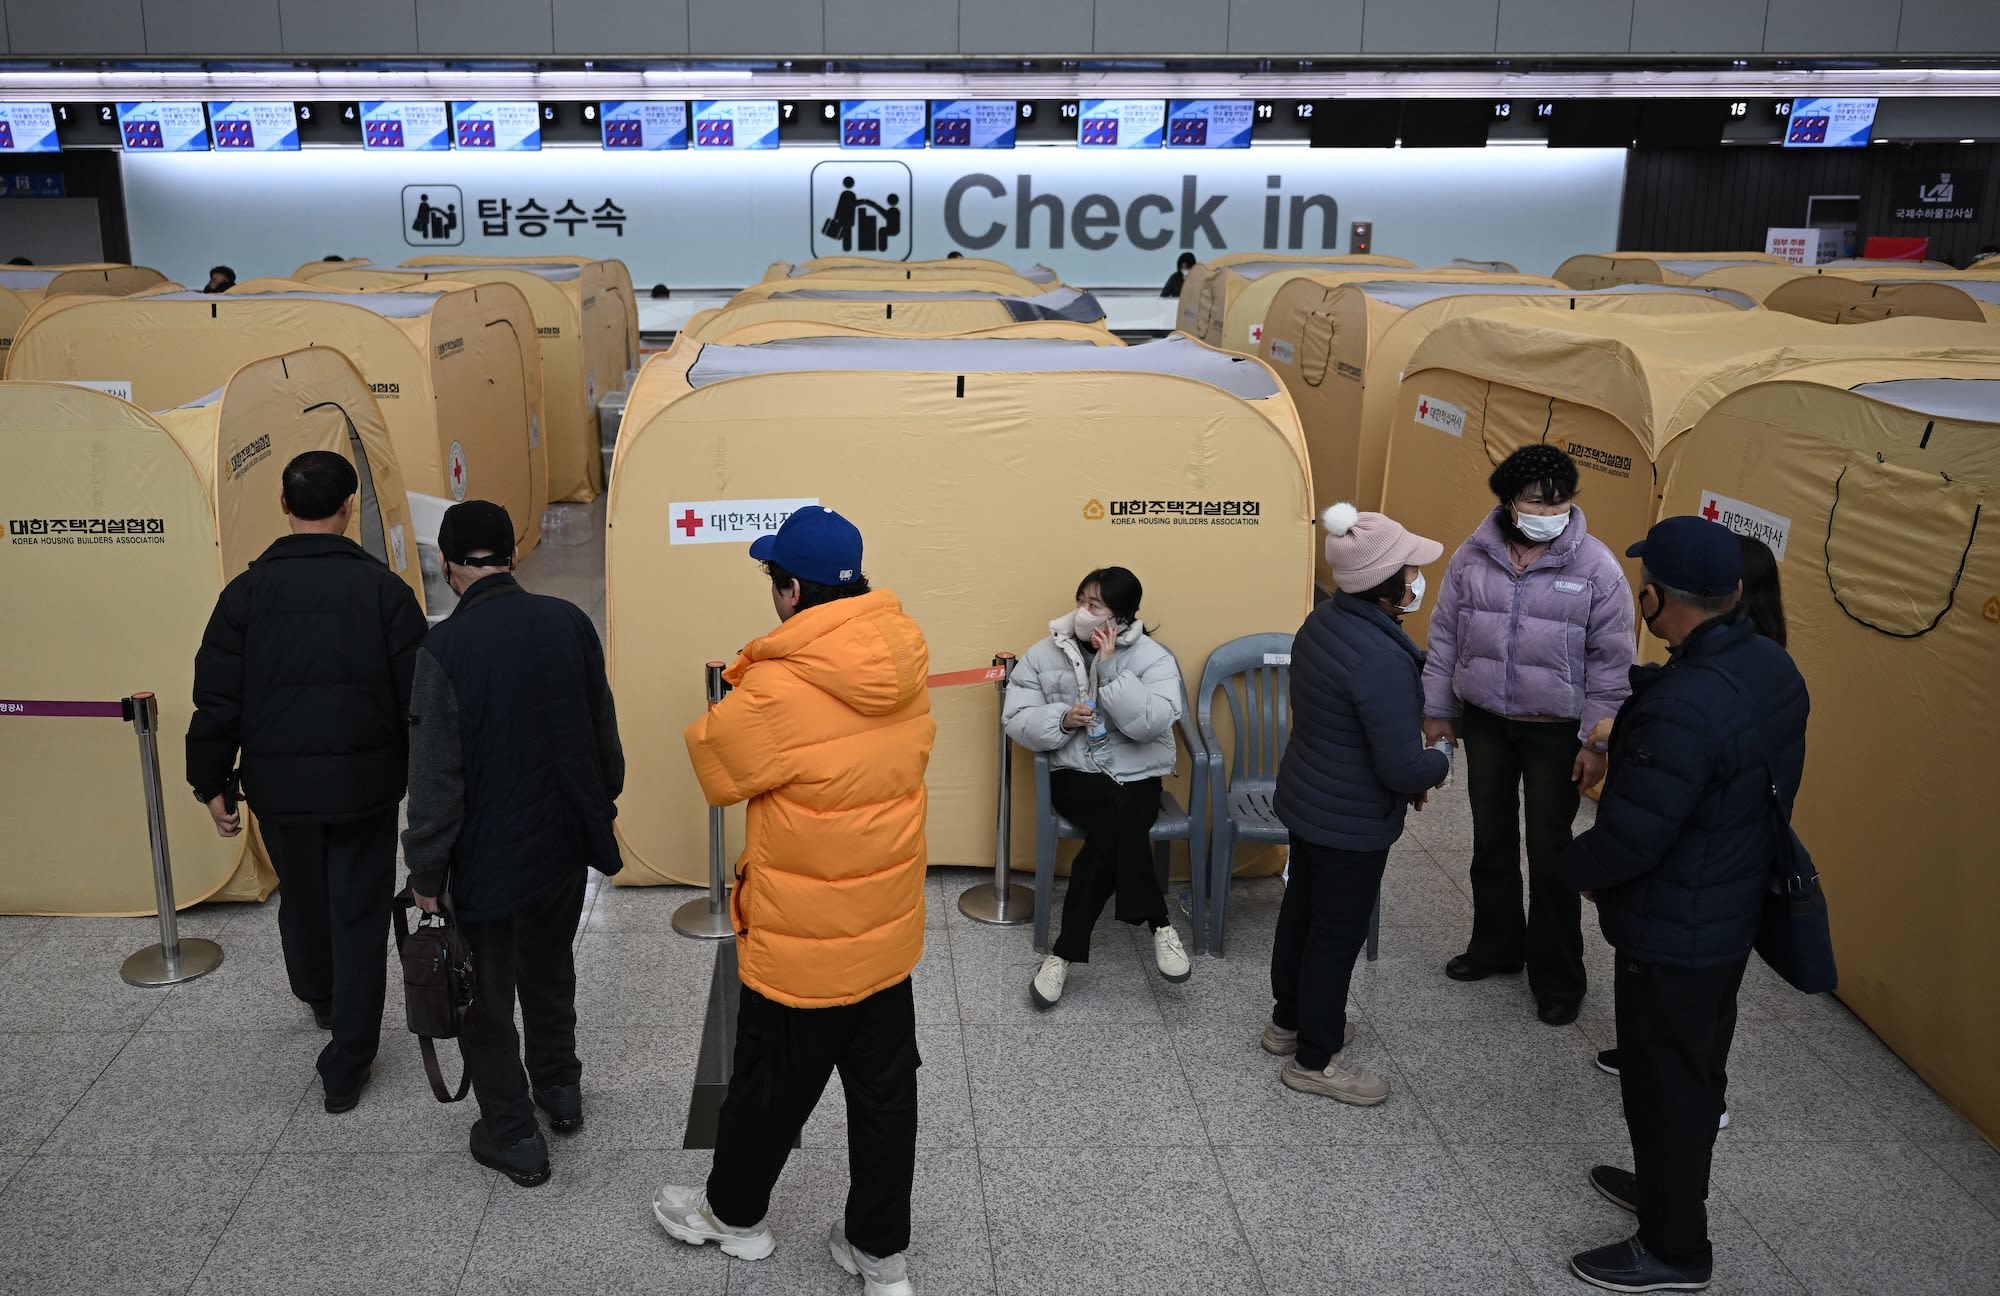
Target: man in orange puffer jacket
826, 735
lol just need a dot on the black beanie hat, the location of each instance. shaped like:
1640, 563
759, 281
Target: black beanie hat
1533, 465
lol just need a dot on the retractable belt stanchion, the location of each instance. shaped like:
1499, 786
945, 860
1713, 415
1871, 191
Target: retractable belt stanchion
709, 918
1001, 902
173, 960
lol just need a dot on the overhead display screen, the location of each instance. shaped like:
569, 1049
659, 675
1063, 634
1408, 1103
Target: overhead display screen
974, 123
882, 123
28, 128
406, 126
1210, 123
647, 125
253, 126
1830, 123
163, 127
1121, 123
491, 127
736, 124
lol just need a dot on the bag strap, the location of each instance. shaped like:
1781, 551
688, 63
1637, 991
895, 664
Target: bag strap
432, 1070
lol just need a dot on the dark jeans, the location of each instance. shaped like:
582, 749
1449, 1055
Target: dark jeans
1502, 757
1116, 858
784, 1057
1321, 927
529, 954
1675, 1026
336, 885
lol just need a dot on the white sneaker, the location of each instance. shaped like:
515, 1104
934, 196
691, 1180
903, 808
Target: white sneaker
1167, 952
685, 1213
887, 1276
1048, 984
1723, 1124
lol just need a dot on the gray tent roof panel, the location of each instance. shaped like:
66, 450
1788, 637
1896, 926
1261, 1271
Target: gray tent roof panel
391, 305
1175, 357
552, 273
1061, 304
23, 277
1976, 400
1980, 290
1406, 293
1694, 266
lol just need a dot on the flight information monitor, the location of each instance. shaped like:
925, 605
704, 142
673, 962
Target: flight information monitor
163, 127
974, 123
253, 126
405, 126
1830, 123
491, 127
648, 125
1210, 123
28, 128
736, 124
883, 123
1121, 123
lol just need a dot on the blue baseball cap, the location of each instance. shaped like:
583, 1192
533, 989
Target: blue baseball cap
816, 544
1693, 555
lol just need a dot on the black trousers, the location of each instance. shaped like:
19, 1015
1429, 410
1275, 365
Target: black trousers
528, 955
1675, 1026
784, 1057
1322, 926
1502, 758
1116, 858
335, 886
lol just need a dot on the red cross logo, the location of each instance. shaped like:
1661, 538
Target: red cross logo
1709, 511
689, 523
1424, 410
458, 470
1257, 333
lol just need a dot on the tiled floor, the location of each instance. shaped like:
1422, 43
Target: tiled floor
1135, 1140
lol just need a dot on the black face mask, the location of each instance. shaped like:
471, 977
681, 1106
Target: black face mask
1659, 606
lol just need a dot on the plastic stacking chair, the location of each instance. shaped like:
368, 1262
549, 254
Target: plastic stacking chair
1174, 824
1254, 674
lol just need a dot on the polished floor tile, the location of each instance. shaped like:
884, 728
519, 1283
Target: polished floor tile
1046, 1085
193, 1091
42, 1077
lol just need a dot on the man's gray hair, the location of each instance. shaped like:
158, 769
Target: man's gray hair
1712, 604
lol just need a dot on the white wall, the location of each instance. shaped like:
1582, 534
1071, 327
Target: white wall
717, 220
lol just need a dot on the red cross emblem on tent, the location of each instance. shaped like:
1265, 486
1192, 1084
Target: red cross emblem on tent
1256, 332
689, 523
456, 467
1424, 409
1708, 509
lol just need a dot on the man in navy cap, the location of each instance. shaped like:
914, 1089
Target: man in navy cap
1678, 863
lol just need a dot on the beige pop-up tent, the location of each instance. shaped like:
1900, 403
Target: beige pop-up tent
1837, 299
876, 266
1490, 267
1223, 302
905, 314
580, 321
779, 330
999, 283
615, 273
1341, 349
22, 288
1880, 503
1616, 392
1608, 269
314, 269
1870, 265
1754, 281
1269, 288
1030, 461
457, 373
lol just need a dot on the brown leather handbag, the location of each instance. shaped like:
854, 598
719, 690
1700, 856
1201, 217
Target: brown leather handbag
440, 987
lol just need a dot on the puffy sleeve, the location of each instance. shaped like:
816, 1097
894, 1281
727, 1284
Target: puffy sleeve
738, 748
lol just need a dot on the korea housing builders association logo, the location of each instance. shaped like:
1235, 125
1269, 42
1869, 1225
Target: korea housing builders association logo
1175, 512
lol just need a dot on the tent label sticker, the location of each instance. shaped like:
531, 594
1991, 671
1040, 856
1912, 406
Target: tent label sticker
1282, 351
1185, 512
1445, 417
455, 466
729, 521
398, 555
119, 387
1748, 520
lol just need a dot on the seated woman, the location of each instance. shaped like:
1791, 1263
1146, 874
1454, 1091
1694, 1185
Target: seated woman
1102, 698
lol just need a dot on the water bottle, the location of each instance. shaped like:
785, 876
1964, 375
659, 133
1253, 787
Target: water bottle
1445, 745
1098, 731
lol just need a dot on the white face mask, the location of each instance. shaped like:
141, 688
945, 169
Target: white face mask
1086, 623
1539, 528
1416, 595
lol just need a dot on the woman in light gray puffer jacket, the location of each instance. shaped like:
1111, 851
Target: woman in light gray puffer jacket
1102, 698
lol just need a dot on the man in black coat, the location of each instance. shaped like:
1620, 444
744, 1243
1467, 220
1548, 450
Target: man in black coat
515, 768
1678, 863
305, 668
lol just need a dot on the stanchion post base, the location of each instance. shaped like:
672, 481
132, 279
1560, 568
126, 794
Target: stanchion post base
695, 921
984, 903
149, 966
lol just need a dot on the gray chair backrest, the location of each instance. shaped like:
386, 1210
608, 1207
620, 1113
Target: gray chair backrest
1254, 674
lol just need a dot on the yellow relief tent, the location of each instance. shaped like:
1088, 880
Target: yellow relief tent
458, 373
615, 272
778, 330
1616, 392
314, 269
123, 528
1838, 299
1890, 265
1608, 269
877, 266
1341, 347
995, 283
906, 314
22, 288
1880, 501
1490, 267
1756, 281
1026, 462
1223, 301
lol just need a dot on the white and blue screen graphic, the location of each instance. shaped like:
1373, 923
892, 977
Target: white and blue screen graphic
491, 127
253, 126
28, 128
974, 123
1830, 123
163, 127
1210, 123
736, 123
648, 125
407, 126
883, 123
1121, 123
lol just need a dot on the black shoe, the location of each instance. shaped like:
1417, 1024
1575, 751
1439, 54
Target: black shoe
1557, 1012
525, 1162
564, 1104
1607, 1061
1629, 1267
1466, 968
338, 1104
1619, 1187
323, 1018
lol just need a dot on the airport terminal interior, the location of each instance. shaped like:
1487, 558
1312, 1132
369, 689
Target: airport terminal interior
1222, 292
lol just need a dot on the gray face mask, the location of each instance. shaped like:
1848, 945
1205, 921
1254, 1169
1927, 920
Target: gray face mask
1539, 528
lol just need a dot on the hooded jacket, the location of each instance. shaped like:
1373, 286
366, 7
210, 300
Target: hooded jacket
1555, 640
827, 734
1139, 694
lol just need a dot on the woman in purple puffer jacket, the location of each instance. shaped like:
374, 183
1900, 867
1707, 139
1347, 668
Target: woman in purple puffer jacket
1531, 645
